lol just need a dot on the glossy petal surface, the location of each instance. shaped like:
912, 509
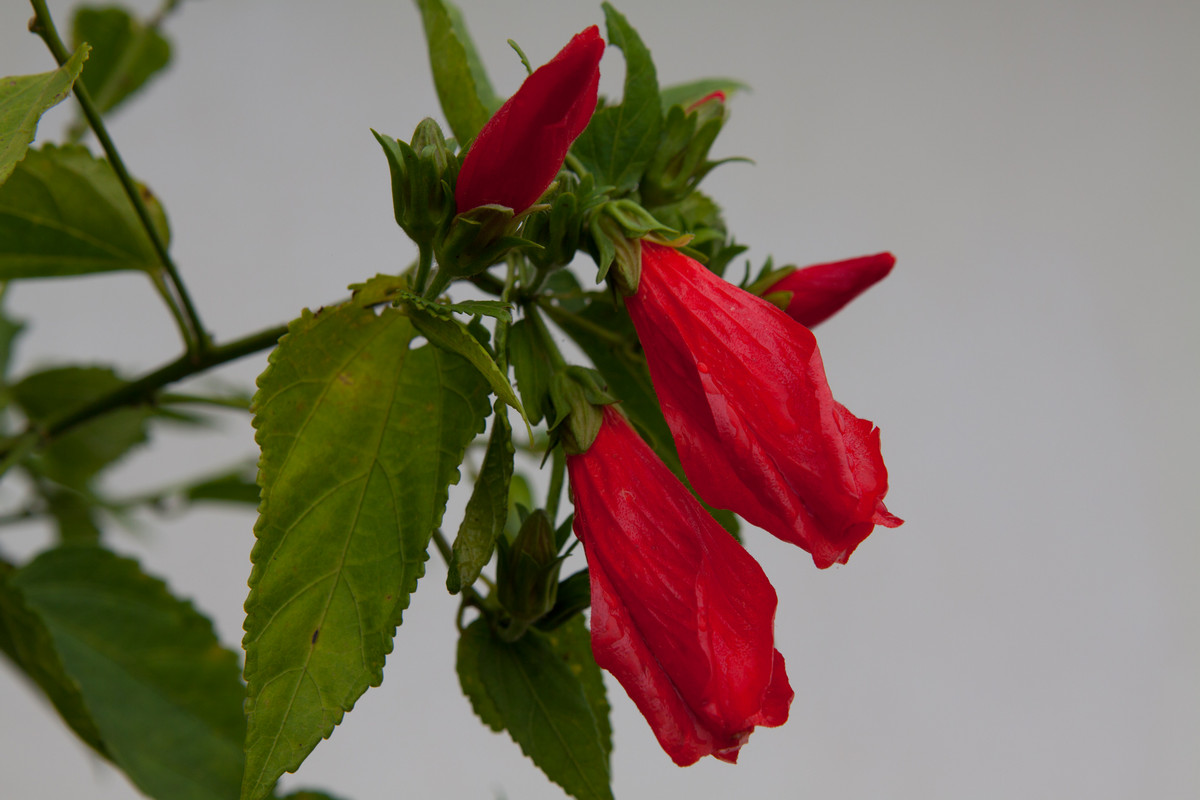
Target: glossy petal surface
522, 147
743, 390
682, 616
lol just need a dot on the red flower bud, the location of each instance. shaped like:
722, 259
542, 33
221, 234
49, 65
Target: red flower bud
820, 291
743, 389
522, 147
682, 616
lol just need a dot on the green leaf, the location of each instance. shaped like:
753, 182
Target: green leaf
572, 641
621, 140
27, 642
308, 794
483, 85
684, 94
126, 53
76, 456
360, 438
450, 56
488, 308
23, 100
165, 696
542, 694
532, 367
486, 511
63, 212
435, 324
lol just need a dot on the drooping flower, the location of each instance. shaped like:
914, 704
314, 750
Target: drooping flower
820, 291
682, 616
743, 389
521, 148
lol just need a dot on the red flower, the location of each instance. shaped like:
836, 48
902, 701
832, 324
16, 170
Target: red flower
820, 291
681, 615
522, 147
743, 390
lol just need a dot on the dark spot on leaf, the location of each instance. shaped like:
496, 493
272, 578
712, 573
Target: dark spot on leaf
316, 633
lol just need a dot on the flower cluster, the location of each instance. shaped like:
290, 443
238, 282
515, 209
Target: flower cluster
681, 615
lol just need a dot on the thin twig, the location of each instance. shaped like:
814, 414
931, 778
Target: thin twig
195, 336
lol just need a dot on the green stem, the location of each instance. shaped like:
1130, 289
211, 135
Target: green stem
424, 262
195, 337
559, 314
557, 470
142, 390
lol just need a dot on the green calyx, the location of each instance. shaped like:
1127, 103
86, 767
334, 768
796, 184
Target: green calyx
527, 572
423, 173
617, 228
681, 160
577, 394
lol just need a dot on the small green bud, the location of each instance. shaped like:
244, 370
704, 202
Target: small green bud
527, 571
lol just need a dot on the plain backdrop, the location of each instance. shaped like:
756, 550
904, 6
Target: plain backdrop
1030, 632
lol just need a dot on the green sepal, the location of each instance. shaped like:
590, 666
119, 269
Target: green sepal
546, 691
617, 228
23, 100
361, 437
620, 140
576, 395
681, 160
486, 511
422, 176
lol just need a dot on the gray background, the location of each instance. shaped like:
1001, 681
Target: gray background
1030, 632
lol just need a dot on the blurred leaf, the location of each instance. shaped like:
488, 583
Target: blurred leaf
126, 53
234, 487
306, 794
451, 55
23, 100
76, 456
73, 513
539, 690
360, 437
684, 94
63, 212
165, 696
486, 511
10, 330
27, 642
620, 140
